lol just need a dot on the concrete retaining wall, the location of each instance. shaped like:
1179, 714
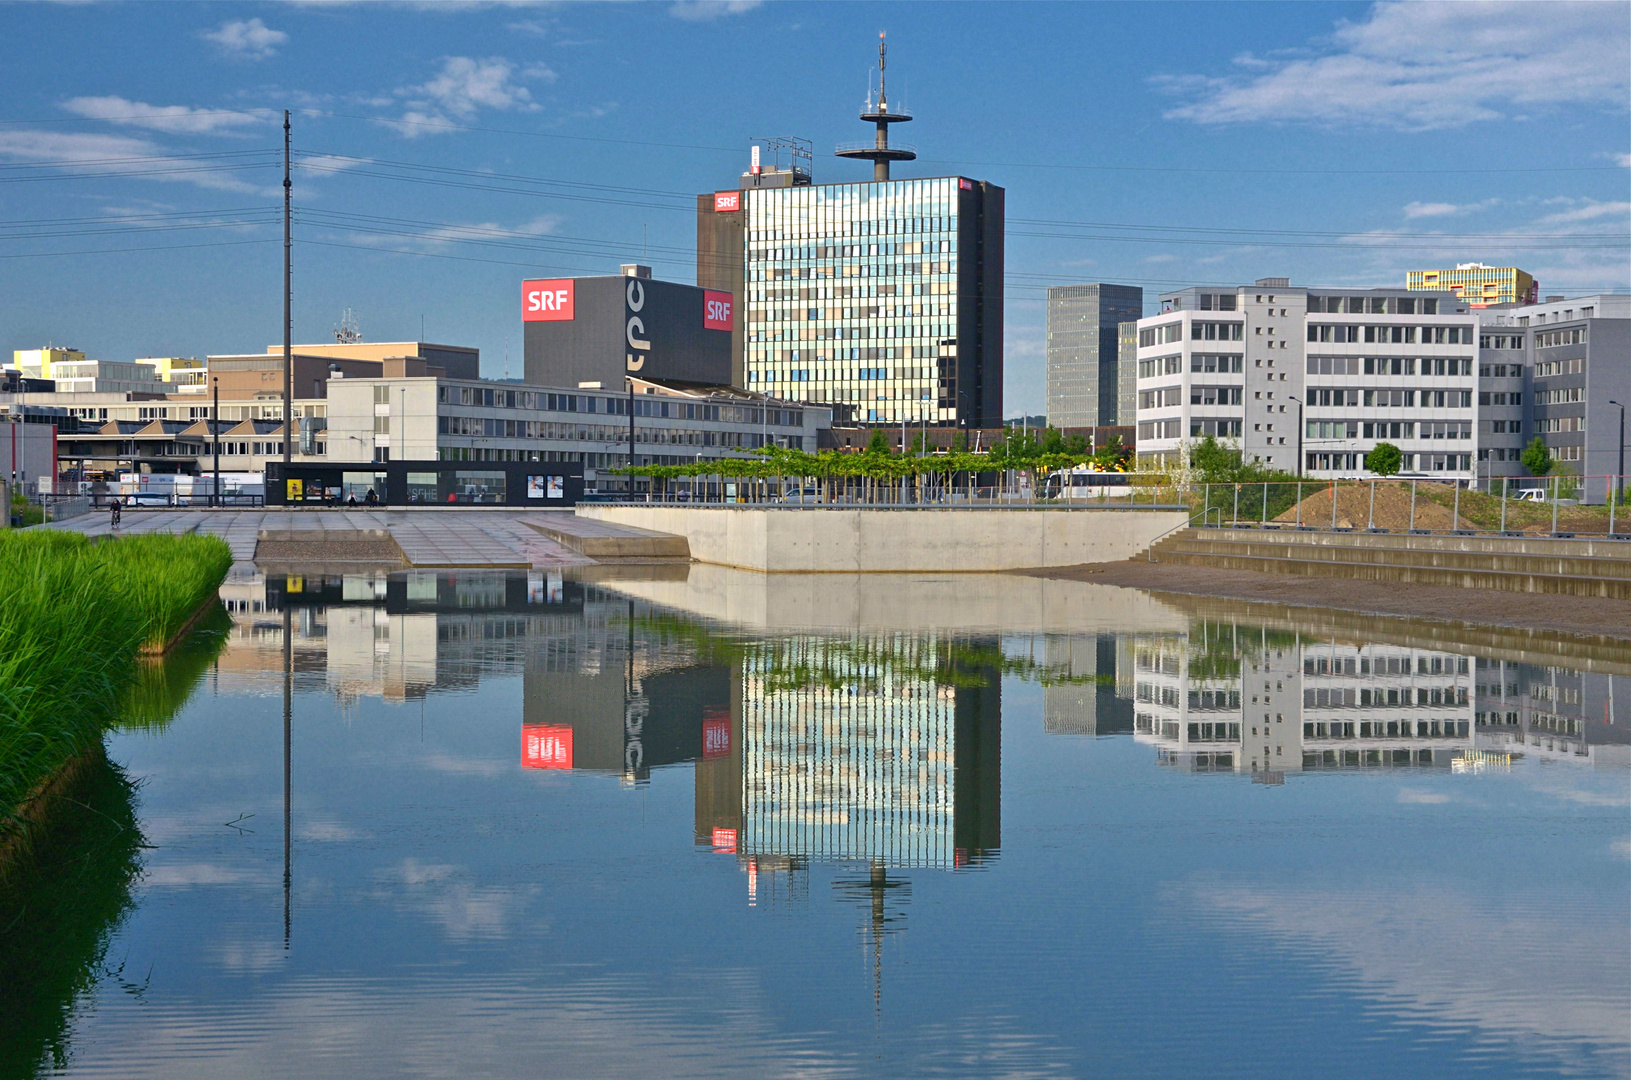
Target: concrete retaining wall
867, 541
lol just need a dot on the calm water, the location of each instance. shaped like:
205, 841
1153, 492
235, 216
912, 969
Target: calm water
727, 825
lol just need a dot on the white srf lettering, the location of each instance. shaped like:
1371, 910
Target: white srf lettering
535, 301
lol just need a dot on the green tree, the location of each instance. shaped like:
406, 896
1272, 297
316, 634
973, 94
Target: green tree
1053, 441
1537, 459
877, 445
1385, 460
1213, 462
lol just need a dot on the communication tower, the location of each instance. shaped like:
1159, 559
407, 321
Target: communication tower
878, 112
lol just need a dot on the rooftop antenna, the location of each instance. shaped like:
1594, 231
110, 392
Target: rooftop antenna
879, 152
347, 333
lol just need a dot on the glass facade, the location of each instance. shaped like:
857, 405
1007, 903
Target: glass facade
1084, 352
852, 296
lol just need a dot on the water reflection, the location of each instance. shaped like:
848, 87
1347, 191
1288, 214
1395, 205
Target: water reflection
1019, 785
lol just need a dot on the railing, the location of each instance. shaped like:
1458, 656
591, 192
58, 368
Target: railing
1137, 491
1557, 506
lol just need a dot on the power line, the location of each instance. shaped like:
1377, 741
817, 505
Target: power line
120, 251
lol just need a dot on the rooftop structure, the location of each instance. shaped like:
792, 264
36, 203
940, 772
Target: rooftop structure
1477, 284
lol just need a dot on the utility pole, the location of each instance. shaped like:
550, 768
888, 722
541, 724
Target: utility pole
288, 326
1619, 475
630, 379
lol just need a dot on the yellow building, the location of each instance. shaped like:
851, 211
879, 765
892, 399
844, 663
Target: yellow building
189, 373
1477, 284
31, 360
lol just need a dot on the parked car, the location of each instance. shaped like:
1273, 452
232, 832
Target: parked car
801, 496
1531, 495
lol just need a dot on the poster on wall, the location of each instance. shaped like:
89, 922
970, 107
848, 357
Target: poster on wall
557, 487
295, 490
535, 487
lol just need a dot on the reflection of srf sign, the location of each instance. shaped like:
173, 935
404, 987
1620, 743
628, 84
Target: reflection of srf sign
716, 736
546, 746
725, 840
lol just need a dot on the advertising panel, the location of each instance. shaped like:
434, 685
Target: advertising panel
717, 310
726, 201
547, 301
546, 746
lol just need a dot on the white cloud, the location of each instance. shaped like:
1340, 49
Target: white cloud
1428, 65
176, 119
1591, 210
708, 10
247, 39
77, 151
466, 85
1623, 160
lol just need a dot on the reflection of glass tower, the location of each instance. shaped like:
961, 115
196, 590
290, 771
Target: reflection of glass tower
882, 750
1228, 698
1079, 690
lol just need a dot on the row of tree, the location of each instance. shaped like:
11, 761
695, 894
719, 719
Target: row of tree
878, 464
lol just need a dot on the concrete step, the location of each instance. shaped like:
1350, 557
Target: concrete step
1563, 566
1615, 588
604, 541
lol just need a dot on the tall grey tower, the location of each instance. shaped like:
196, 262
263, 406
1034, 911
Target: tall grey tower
878, 112
1083, 352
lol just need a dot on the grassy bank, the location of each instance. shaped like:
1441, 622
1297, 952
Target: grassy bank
73, 617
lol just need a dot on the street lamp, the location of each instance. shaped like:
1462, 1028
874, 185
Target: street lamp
215, 431
1619, 474
1299, 402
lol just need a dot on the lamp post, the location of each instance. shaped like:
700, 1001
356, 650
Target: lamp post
1619, 472
1299, 402
215, 431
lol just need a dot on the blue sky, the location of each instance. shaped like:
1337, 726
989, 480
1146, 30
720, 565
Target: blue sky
1154, 144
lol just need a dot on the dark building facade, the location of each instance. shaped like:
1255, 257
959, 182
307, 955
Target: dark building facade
1084, 350
598, 329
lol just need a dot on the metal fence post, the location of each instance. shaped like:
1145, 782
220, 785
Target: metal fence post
1235, 518
1265, 502
1333, 505
1371, 521
1613, 498
1299, 504
1503, 504
1554, 505
1455, 515
1412, 506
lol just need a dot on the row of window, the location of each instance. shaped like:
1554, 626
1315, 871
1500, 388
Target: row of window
1374, 305
1385, 665
1553, 338
1353, 461
1351, 429
1560, 367
1560, 423
1396, 335
1555, 397
1391, 729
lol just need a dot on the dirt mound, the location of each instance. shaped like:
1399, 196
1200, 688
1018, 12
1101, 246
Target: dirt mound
1392, 509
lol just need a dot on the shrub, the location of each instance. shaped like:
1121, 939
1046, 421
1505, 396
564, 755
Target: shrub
1536, 458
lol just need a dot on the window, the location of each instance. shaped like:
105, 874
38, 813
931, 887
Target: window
1160, 335
1332, 333
1211, 362
1390, 365
1216, 331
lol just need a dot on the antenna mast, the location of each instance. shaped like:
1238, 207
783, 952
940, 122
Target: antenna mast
879, 152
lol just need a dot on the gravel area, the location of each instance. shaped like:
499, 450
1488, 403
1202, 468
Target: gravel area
318, 551
1594, 616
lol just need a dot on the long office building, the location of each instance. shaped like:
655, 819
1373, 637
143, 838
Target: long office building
882, 297
1310, 380
1083, 353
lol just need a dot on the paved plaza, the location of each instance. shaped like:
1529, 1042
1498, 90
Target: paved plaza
429, 538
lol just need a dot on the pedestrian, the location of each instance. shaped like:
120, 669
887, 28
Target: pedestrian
351, 500
371, 499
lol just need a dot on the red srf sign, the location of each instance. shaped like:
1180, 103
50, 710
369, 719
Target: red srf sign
547, 301
966, 185
726, 201
546, 746
716, 736
717, 310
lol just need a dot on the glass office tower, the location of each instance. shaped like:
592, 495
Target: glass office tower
1084, 387
885, 297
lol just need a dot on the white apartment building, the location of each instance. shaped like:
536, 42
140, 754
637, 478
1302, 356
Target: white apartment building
1310, 380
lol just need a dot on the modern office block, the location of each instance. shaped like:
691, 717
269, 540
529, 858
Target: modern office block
1477, 284
1084, 350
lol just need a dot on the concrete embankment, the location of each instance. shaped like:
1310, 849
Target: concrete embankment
845, 540
1586, 568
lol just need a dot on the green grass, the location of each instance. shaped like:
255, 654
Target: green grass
73, 617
